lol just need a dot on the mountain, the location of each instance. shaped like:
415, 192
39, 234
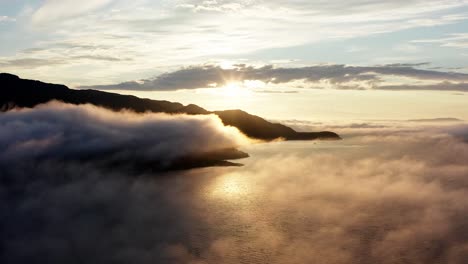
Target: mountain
257, 127
15, 91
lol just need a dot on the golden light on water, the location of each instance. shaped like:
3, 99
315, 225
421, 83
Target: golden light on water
230, 186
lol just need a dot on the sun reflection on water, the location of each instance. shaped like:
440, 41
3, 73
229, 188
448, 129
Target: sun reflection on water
230, 186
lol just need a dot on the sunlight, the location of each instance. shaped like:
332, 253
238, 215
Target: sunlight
235, 89
227, 65
230, 186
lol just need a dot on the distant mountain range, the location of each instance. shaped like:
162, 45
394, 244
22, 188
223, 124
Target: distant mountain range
19, 92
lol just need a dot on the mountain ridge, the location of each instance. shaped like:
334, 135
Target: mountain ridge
28, 93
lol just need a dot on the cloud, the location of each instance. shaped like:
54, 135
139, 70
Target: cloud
73, 212
458, 40
100, 58
35, 63
409, 64
7, 19
339, 76
382, 128
439, 119
79, 160
217, 6
394, 198
53, 10
443, 86
381, 202
57, 131
274, 91
30, 63
191, 32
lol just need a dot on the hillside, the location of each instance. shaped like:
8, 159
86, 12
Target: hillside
15, 91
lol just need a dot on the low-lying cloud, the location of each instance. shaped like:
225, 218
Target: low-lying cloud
391, 198
398, 198
411, 127
85, 132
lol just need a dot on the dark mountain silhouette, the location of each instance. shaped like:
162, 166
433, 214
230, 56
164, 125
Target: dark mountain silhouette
257, 127
19, 92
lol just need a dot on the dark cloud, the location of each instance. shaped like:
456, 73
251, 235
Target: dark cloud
443, 86
439, 119
359, 125
73, 213
338, 75
30, 63
100, 58
446, 68
410, 65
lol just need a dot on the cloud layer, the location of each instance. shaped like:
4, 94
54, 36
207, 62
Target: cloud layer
334, 76
393, 197
57, 131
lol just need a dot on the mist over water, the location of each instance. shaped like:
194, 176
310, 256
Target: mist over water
376, 197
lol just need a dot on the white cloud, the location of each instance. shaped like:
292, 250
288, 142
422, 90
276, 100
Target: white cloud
407, 48
165, 34
6, 19
459, 40
52, 10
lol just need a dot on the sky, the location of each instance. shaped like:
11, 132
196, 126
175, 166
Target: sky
306, 60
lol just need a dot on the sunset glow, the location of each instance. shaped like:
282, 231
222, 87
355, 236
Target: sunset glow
231, 187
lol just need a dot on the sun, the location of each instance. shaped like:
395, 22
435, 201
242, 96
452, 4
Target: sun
235, 89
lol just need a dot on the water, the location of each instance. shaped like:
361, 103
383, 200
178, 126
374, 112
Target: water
293, 202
